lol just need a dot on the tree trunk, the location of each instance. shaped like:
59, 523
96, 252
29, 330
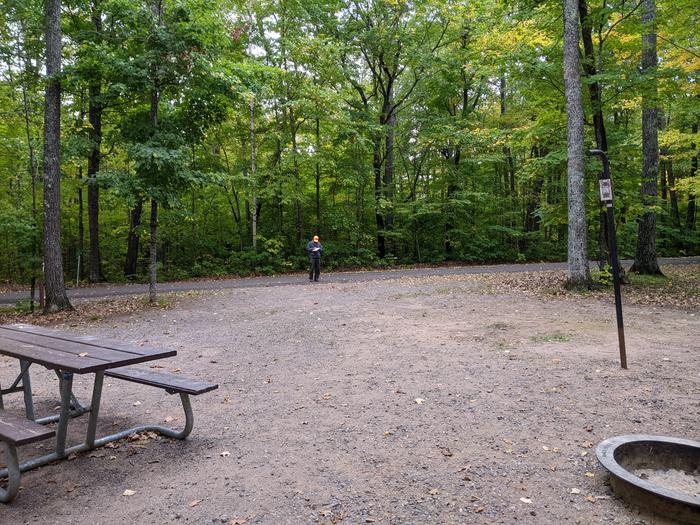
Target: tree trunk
690, 212
595, 92
388, 181
253, 154
132, 243
318, 176
153, 254
95, 116
252, 211
578, 271
33, 175
645, 261
378, 192
81, 225
297, 180
56, 297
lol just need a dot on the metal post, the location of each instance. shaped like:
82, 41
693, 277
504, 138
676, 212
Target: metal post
607, 197
94, 409
27, 389
62, 429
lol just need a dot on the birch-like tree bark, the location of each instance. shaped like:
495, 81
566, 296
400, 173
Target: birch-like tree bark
578, 271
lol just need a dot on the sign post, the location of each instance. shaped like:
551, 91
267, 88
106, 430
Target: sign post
606, 196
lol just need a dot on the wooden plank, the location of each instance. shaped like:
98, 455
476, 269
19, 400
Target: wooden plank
50, 358
167, 381
89, 340
69, 347
20, 431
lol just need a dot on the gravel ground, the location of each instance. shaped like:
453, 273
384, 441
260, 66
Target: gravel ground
405, 401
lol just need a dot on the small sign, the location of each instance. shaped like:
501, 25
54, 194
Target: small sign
605, 189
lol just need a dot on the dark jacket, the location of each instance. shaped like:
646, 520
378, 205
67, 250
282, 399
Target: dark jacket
313, 253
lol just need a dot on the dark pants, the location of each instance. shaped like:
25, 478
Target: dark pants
314, 268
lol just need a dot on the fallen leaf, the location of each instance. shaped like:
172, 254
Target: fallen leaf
589, 474
176, 370
128, 492
591, 498
446, 452
194, 503
327, 396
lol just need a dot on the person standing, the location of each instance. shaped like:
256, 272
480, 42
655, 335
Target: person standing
314, 248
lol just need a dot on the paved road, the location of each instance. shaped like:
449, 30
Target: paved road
335, 277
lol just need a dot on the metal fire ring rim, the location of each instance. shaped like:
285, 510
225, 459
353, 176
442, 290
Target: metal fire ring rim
606, 455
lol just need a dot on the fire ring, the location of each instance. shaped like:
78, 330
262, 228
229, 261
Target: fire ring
659, 473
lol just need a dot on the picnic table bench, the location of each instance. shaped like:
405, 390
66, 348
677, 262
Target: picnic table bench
16, 431
68, 354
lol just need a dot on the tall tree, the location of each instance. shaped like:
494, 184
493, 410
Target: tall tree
95, 117
595, 91
645, 261
578, 271
56, 297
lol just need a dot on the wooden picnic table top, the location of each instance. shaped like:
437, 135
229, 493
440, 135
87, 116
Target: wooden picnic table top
70, 352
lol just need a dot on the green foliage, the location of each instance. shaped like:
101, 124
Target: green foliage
604, 276
479, 162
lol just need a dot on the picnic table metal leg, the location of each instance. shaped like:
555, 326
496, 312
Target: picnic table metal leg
62, 429
77, 409
27, 388
94, 409
166, 431
13, 473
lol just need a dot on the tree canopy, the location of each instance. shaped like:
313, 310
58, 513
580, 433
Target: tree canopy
400, 131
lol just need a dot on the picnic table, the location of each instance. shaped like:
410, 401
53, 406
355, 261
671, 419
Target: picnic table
68, 354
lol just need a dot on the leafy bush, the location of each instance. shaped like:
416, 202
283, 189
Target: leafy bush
268, 259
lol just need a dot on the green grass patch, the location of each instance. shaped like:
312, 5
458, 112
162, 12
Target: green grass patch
551, 337
654, 281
